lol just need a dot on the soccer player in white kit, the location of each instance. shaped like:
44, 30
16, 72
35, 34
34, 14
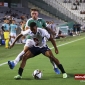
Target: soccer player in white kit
29, 43
38, 36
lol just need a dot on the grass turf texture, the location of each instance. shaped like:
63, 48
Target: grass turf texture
72, 56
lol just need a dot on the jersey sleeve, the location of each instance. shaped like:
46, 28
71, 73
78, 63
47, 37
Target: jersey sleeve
45, 33
25, 32
44, 24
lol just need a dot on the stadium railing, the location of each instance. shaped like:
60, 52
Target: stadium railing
64, 10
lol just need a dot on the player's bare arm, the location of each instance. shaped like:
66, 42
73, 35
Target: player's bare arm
54, 44
26, 28
50, 30
17, 38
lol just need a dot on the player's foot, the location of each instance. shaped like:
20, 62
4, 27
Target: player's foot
57, 71
18, 77
11, 64
6, 47
64, 75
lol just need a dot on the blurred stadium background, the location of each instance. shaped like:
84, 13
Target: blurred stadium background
66, 14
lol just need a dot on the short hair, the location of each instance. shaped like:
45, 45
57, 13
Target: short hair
7, 19
32, 24
34, 9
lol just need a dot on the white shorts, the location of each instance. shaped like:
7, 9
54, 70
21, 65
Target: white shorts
13, 34
29, 43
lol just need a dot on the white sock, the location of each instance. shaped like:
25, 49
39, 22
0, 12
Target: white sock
18, 58
10, 43
12, 40
54, 65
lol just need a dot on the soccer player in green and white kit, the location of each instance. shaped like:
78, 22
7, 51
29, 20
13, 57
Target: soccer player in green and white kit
40, 23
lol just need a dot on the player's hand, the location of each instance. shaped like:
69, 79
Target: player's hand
56, 51
11, 46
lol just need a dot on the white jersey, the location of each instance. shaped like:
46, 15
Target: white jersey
39, 37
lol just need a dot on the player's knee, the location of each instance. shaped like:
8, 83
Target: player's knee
51, 57
25, 58
49, 54
27, 55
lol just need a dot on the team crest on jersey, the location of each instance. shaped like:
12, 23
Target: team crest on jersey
38, 34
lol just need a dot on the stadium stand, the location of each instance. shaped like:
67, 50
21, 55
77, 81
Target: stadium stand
74, 7
6, 12
50, 10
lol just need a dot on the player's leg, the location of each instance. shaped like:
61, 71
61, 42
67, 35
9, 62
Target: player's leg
10, 40
33, 51
26, 56
7, 43
74, 31
13, 63
50, 55
19, 57
55, 67
78, 31
13, 35
29, 43
6, 37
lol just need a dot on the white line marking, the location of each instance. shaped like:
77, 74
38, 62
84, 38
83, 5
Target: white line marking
3, 63
68, 42
53, 47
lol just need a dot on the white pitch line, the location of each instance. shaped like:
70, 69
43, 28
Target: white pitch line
53, 47
68, 43
3, 64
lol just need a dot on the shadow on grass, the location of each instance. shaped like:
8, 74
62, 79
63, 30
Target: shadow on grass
34, 79
70, 75
26, 79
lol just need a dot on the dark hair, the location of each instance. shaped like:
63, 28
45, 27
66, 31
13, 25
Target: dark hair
34, 9
32, 24
7, 19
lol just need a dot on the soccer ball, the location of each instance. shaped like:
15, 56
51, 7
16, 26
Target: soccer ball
37, 74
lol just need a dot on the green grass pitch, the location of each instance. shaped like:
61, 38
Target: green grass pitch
71, 55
